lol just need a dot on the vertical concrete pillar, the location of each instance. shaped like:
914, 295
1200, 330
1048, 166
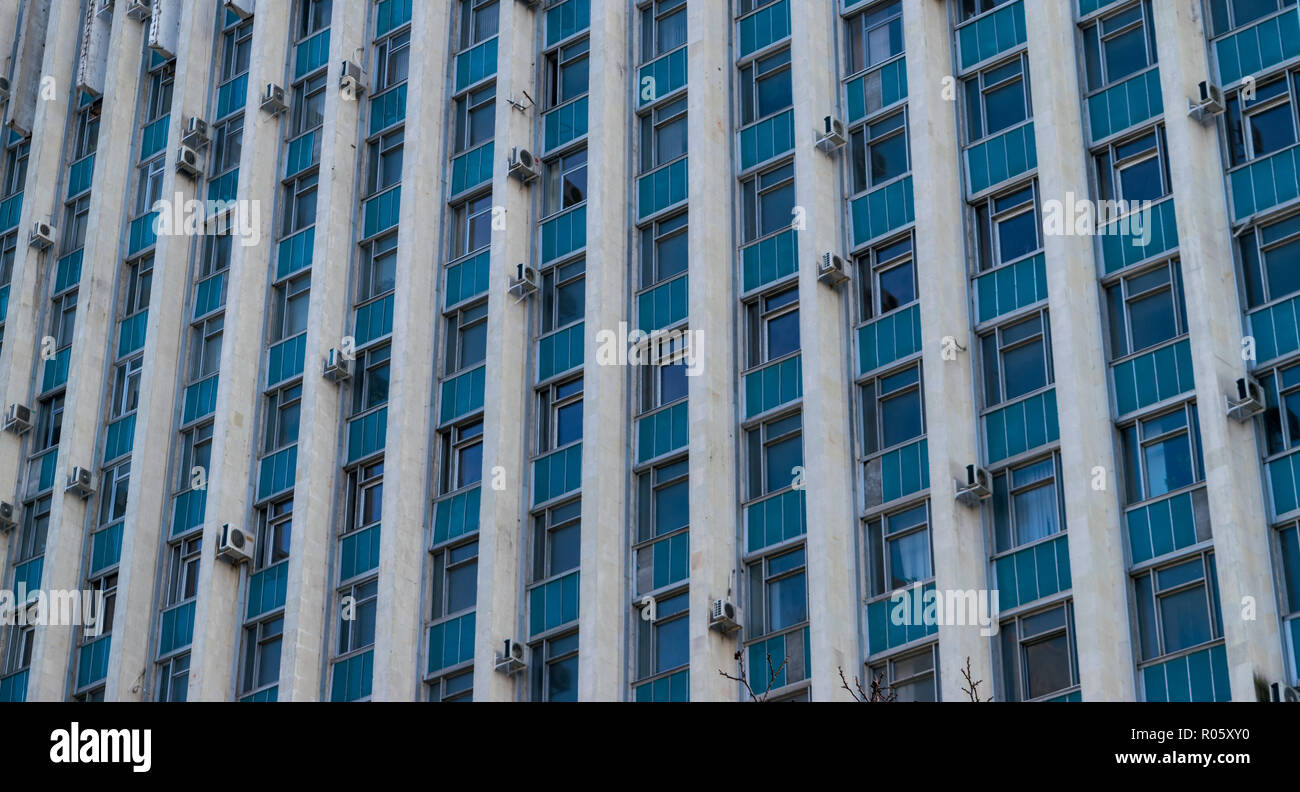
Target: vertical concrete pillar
502, 515
399, 640
603, 595
95, 321
956, 530
1238, 516
834, 601
712, 412
1097, 561
236, 436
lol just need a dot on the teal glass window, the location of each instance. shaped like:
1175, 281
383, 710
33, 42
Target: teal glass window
113, 486
664, 381
554, 674
663, 134
1119, 45
773, 321
973, 8
1265, 124
392, 61
565, 182
875, 36
274, 531
384, 162
299, 204
205, 345
1133, 170
174, 678
365, 498
664, 250
1270, 261
360, 601
370, 381
471, 229
1228, 15
283, 415
778, 594
1039, 656
663, 508
377, 275
1178, 606
774, 449
879, 151
262, 642
1146, 309
1162, 454
768, 202
462, 455
466, 338
289, 303
454, 582
560, 415
557, 539
886, 278
1028, 504
663, 645
309, 109
907, 677
453, 687
899, 547
313, 17
182, 581
766, 87
564, 295
997, 98
476, 118
663, 28
1007, 227
478, 21
1281, 388
1016, 359
892, 409
568, 72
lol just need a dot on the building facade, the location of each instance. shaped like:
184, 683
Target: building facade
585, 349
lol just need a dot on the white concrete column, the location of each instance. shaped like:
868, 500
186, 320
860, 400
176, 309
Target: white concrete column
96, 320
711, 410
236, 435
403, 549
956, 531
503, 524
310, 610
602, 594
1234, 486
1096, 535
833, 596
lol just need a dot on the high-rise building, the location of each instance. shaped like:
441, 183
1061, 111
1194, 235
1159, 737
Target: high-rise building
585, 349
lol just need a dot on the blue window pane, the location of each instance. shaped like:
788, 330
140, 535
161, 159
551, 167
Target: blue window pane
901, 418
909, 559
775, 93
1185, 619
1026, 369
1146, 608
1272, 130
1018, 236
1047, 665
897, 287
888, 159
783, 335
672, 648
1169, 465
568, 424
788, 602
563, 682
1153, 319
1282, 264
782, 458
1126, 53
672, 506
565, 548
1143, 181
1036, 514
462, 587
1005, 106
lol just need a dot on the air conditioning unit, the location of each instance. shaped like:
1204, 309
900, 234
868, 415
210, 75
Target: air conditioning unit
273, 99
351, 78
512, 660
832, 137
1208, 104
104, 8
80, 483
18, 418
1281, 691
235, 545
8, 517
724, 616
976, 487
337, 368
138, 10
42, 236
196, 133
240, 8
5, 89
524, 281
1248, 402
187, 162
523, 165
832, 271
